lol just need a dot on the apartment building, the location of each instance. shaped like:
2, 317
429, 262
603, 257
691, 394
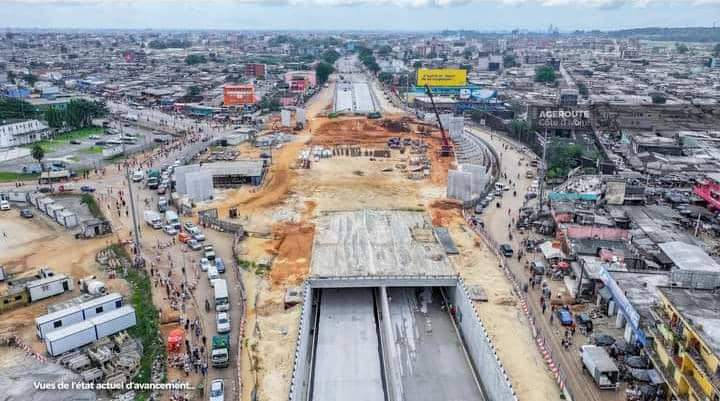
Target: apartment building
686, 343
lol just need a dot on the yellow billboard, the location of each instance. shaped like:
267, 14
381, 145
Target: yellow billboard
442, 77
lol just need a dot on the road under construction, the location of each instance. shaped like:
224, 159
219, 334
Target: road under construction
386, 318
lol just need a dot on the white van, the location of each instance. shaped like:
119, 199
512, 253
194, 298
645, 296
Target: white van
212, 275
222, 301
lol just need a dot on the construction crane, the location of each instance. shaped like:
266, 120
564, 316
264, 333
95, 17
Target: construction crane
446, 150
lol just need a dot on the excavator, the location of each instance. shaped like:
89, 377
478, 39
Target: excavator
446, 150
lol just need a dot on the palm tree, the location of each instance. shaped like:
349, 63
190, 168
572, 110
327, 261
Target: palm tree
38, 153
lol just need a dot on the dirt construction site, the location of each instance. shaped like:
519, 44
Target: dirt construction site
280, 216
332, 165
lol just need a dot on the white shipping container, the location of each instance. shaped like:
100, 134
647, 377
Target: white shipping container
68, 219
113, 322
36, 198
104, 304
57, 320
48, 287
44, 203
54, 211
74, 336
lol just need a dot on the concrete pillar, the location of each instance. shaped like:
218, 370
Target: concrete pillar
394, 380
619, 320
629, 334
611, 308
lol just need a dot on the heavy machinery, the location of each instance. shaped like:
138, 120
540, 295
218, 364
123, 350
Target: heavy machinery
446, 150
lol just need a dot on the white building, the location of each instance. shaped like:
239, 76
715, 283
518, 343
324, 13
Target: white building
22, 133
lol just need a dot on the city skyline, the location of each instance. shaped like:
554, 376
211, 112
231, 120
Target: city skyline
400, 15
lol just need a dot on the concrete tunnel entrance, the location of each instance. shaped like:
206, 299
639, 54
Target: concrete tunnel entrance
387, 344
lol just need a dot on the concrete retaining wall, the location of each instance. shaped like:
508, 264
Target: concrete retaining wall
493, 377
302, 367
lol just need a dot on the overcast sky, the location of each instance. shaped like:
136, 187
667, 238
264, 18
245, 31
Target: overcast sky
358, 14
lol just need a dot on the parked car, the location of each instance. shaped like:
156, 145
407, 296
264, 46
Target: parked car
194, 245
217, 390
46, 190
565, 317
87, 189
506, 250
75, 142
170, 229
188, 226
209, 252
138, 176
223, 323
4, 205
26, 213
219, 265
204, 264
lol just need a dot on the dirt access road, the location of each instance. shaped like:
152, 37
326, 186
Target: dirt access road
581, 386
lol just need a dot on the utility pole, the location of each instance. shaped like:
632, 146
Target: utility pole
138, 259
542, 173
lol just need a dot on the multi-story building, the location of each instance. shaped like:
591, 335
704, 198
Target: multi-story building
686, 343
22, 133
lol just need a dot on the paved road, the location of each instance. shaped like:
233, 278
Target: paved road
496, 220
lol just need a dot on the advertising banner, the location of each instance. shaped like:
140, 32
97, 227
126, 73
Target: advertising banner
441, 77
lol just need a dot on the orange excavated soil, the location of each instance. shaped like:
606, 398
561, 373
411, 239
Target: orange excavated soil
292, 250
360, 131
444, 211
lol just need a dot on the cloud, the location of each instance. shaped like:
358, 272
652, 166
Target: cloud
600, 4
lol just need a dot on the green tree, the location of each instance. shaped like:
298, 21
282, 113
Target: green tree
520, 129
269, 103
385, 77
658, 99
562, 158
12, 109
417, 64
510, 61
545, 74
193, 91
55, 118
583, 89
681, 48
331, 56
323, 71
194, 59
716, 50
384, 50
38, 153
80, 113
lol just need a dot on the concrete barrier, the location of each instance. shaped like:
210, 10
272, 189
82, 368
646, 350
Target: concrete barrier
488, 367
302, 365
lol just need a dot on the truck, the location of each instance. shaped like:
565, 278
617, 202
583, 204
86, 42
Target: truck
172, 219
153, 219
222, 300
153, 178
220, 354
600, 366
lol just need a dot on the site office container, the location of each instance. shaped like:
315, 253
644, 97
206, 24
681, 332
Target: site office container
88, 331
43, 203
54, 210
113, 322
57, 320
74, 336
77, 313
48, 287
68, 219
100, 305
